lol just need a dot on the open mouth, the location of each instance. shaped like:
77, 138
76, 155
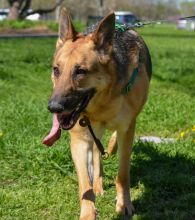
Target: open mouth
68, 120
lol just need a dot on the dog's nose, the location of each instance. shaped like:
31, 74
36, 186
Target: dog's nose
55, 107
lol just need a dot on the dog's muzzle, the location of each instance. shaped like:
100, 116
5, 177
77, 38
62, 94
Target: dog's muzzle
68, 108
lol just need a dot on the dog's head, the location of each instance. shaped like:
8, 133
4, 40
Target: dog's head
80, 68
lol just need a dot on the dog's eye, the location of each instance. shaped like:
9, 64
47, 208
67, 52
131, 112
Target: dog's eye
80, 71
56, 71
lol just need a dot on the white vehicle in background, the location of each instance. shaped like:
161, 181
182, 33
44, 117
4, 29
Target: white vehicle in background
181, 23
122, 17
186, 24
125, 17
3, 14
33, 17
191, 24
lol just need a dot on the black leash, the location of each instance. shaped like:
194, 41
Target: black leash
144, 23
85, 122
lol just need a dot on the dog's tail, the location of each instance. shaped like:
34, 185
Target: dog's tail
112, 145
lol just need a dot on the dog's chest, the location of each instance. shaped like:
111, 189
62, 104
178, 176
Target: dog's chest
115, 118
113, 115
119, 122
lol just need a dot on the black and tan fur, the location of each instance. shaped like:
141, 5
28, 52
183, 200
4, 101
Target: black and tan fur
100, 61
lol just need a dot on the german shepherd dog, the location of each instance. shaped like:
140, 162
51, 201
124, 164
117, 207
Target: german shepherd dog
90, 72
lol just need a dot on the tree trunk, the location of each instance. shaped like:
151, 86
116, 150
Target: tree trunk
14, 11
19, 9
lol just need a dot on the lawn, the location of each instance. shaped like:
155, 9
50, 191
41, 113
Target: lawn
40, 183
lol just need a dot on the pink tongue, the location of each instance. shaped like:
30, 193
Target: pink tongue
54, 134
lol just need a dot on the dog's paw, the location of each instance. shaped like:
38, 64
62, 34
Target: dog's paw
89, 216
98, 187
88, 210
125, 208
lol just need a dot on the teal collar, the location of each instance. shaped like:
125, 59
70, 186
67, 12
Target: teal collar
120, 27
130, 84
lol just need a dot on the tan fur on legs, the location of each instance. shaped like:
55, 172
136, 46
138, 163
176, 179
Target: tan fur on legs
125, 141
112, 145
81, 145
98, 172
97, 166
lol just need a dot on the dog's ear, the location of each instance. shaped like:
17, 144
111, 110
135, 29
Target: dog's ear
66, 29
104, 33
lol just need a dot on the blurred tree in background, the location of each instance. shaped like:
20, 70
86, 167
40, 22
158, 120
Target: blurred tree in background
80, 9
150, 9
20, 9
188, 8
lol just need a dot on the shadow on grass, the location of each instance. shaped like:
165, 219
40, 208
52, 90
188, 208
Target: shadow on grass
163, 185
119, 217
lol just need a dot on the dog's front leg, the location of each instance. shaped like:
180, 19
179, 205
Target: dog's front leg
98, 172
97, 166
82, 151
125, 141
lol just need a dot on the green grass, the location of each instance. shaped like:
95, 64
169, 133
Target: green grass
40, 183
25, 24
